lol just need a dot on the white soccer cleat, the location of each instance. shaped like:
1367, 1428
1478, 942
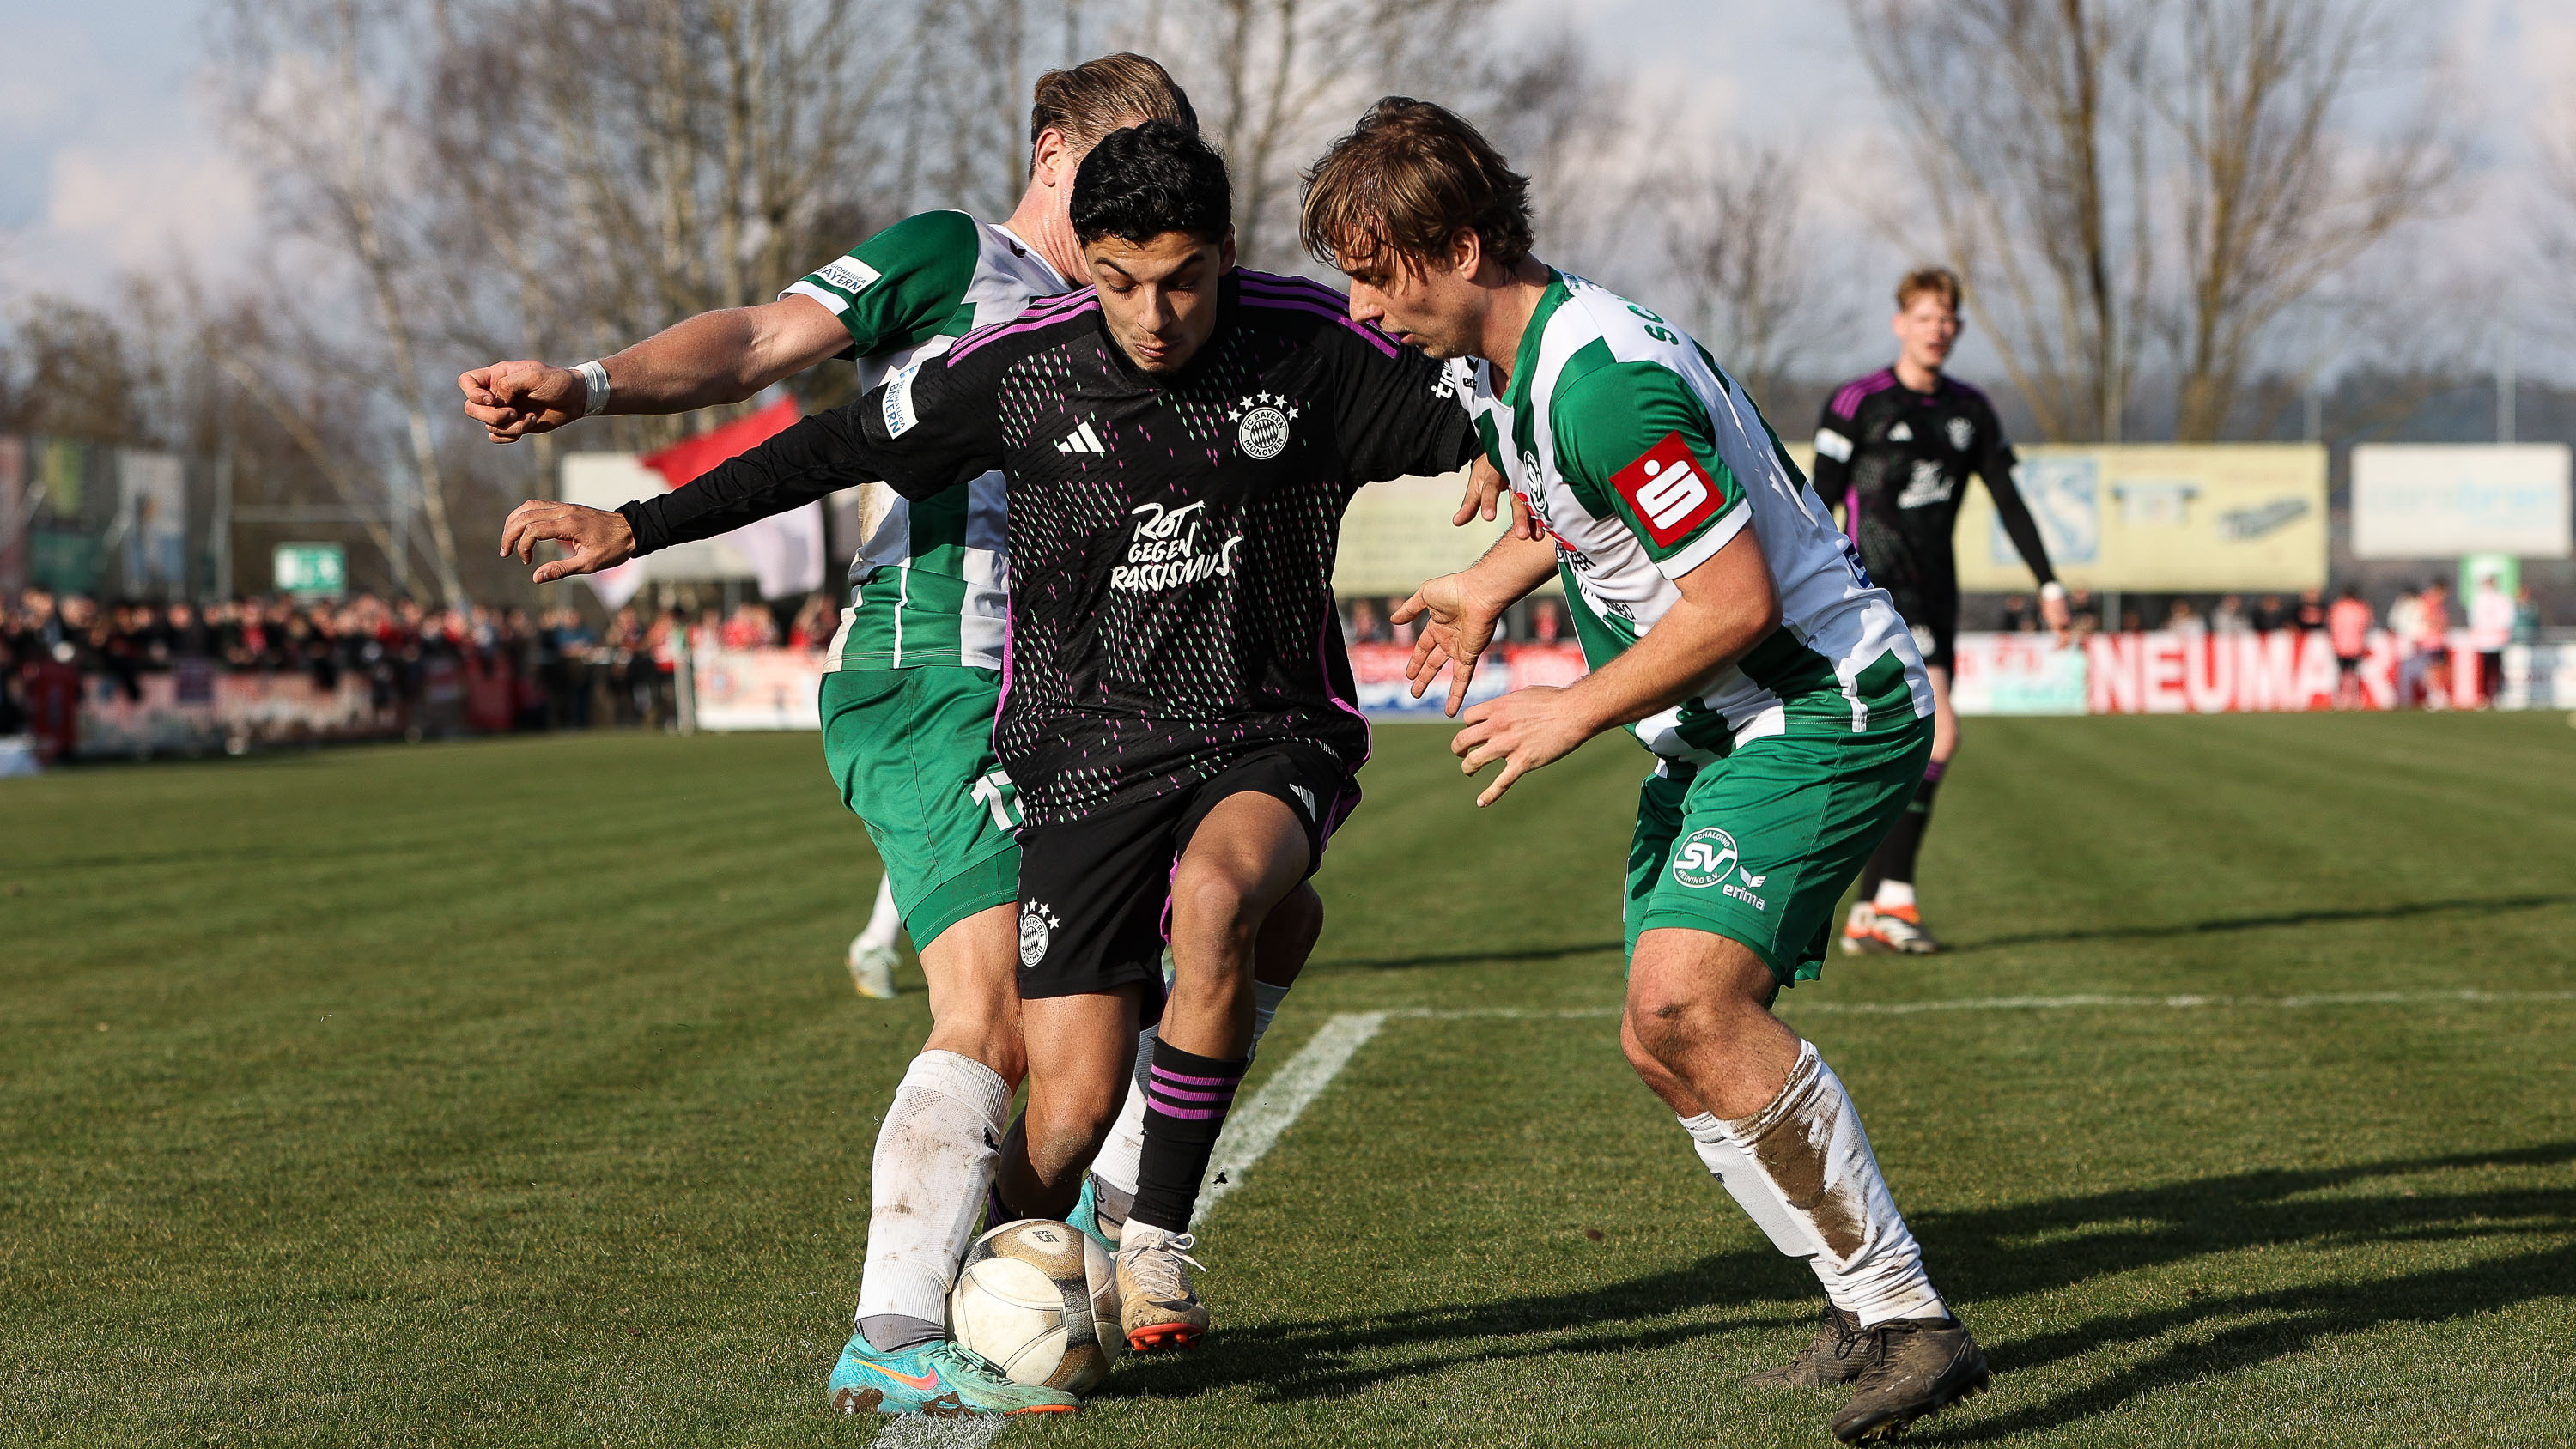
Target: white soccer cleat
872, 970
1157, 1307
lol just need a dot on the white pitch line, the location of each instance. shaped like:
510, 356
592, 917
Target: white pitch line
920, 1431
1252, 1128
2023, 1003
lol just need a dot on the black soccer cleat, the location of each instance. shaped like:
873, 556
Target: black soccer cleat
1834, 1356
1910, 1367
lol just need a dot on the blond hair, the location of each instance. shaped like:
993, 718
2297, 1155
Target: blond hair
1090, 100
1939, 281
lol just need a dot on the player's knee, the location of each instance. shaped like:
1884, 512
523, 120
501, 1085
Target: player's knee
1210, 898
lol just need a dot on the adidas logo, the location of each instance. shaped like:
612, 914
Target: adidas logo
1081, 440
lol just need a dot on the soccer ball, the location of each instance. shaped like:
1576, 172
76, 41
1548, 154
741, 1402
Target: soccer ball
1040, 1300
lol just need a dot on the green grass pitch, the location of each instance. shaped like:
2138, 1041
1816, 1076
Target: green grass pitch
512, 1093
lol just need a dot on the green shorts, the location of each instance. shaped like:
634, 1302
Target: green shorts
1760, 846
912, 750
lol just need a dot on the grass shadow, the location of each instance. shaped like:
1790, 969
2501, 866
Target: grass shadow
2014, 1251
2226, 924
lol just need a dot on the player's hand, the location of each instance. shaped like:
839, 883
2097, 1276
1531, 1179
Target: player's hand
1456, 628
1524, 729
513, 400
2058, 617
1485, 489
596, 540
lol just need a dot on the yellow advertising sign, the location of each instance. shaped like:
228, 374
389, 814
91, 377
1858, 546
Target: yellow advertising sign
2179, 516
1397, 534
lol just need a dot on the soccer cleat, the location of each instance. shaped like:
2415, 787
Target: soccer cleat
1858, 937
1834, 1356
1156, 1307
1910, 1367
872, 970
1085, 1217
939, 1379
1901, 929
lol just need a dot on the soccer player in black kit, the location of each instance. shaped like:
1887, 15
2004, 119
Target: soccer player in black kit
1179, 442
1894, 450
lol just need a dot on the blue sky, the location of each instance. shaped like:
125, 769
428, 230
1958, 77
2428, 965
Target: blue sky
108, 161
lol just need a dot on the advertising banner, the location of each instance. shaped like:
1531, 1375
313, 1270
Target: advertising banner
152, 523
758, 689
2178, 517
1396, 534
1378, 670
2427, 501
197, 709
2538, 676
2016, 674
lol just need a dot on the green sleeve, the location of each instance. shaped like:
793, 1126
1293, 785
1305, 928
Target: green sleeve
903, 286
1632, 439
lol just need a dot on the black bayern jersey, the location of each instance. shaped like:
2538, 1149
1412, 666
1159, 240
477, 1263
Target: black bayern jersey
1171, 537
1897, 461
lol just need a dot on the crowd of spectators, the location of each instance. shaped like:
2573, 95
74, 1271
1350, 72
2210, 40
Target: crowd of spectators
562, 672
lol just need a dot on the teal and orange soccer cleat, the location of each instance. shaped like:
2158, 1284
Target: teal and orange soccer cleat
1085, 1217
939, 1379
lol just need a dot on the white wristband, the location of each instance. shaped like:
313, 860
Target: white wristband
594, 376
2052, 591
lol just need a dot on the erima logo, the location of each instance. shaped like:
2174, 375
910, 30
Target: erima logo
1962, 433
1037, 927
1305, 797
1901, 433
1081, 440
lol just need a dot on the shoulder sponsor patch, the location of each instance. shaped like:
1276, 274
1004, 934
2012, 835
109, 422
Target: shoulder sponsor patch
1671, 493
849, 274
899, 416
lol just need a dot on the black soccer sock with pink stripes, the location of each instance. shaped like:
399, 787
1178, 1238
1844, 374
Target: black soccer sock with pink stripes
1186, 1098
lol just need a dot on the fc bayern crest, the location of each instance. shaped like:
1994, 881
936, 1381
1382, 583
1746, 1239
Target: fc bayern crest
1261, 425
1037, 927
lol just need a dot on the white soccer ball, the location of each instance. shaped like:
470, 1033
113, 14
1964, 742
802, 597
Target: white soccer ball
1041, 1301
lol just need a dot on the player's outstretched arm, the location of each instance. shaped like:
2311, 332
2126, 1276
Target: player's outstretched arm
1728, 605
716, 357
1459, 611
2014, 513
594, 539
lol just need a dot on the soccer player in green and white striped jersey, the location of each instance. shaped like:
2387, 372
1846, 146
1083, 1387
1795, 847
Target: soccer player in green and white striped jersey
1730, 628
915, 675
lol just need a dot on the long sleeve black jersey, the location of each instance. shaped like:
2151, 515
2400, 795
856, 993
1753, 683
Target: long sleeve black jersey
1898, 462
1171, 537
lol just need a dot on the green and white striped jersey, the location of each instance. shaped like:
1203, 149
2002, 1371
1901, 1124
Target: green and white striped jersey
1644, 459
931, 582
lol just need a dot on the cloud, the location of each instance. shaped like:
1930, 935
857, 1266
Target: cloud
110, 208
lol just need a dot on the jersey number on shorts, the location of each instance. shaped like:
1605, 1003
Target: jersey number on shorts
1000, 797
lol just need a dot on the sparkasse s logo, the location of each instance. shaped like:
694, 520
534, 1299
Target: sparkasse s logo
1669, 490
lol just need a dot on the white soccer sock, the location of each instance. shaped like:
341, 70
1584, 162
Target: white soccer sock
1802, 1170
1122, 1157
1893, 893
884, 923
935, 1159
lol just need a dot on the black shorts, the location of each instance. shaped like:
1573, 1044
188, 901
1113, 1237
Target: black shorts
1933, 615
2348, 663
1096, 893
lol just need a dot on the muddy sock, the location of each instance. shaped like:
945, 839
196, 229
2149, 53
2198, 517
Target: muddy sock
935, 1160
1802, 1170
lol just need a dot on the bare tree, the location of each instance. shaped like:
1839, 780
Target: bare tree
2067, 144
2033, 144
1738, 240
1273, 80
2271, 199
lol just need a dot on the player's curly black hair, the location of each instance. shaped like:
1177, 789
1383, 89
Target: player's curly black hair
1144, 181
